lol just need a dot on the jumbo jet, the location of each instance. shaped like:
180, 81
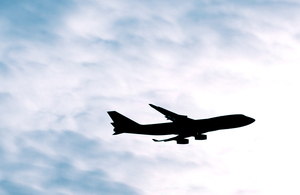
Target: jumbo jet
181, 125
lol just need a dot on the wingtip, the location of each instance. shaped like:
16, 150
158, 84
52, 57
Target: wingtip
153, 106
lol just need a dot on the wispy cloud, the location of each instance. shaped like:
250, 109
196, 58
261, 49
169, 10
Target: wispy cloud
57, 163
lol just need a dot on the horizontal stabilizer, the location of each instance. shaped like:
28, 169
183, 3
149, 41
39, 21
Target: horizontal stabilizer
116, 133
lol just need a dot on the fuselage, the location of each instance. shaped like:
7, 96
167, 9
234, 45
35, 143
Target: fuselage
192, 127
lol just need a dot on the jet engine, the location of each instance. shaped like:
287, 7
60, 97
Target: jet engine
200, 137
182, 141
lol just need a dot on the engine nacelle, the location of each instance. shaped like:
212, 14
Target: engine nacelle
200, 137
182, 141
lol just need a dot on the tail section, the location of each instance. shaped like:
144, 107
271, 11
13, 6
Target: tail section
120, 122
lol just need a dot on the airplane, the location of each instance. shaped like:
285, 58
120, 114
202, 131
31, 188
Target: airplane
181, 125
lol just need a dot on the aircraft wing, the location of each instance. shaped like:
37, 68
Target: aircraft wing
179, 138
170, 115
166, 140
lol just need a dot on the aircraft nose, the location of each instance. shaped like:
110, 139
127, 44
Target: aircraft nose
251, 120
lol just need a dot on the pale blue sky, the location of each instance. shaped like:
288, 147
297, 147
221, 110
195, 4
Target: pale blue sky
64, 64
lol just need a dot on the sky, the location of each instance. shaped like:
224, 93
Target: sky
64, 64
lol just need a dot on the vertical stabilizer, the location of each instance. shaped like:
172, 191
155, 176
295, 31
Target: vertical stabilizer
121, 122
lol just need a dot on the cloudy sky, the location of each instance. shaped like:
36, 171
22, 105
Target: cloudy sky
64, 64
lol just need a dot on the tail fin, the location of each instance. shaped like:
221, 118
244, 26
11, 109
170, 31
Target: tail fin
120, 122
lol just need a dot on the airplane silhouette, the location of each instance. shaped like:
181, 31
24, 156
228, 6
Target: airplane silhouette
181, 125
